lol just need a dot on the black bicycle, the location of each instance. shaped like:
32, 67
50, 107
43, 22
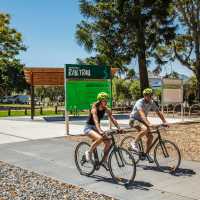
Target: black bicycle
166, 154
121, 163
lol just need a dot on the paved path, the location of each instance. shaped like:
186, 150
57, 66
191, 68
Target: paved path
40, 146
16, 129
54, 157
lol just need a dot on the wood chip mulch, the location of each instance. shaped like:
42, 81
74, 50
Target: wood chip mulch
185, 135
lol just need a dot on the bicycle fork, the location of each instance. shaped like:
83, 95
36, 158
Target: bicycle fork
119, 158
164, 150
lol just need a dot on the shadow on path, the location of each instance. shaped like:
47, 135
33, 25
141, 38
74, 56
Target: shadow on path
140, 185
179, 172
184, 172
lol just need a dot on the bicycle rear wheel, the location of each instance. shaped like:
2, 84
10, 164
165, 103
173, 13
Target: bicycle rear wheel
122, 166
167, 156
84, 167
126, 144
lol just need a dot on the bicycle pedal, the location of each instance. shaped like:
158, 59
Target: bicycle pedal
142, 155
142, 158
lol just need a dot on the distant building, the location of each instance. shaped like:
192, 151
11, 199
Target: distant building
155, 80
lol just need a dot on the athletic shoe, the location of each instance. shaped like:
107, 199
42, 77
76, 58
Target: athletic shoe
134, 146
87, 156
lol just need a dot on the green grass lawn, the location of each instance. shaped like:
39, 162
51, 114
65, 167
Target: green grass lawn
22, 113
14, 105
46, 111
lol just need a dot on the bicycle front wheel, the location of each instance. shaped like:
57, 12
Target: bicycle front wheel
122, 166
83, 166
167, 156
126, 144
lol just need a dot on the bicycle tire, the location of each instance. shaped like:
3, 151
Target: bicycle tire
125, 143
79, 165
160, 158
125, 160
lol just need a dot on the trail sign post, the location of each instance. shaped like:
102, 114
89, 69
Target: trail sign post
172, 92
82, 84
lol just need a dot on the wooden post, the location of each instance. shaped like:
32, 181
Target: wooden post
32, 98
9, 111
66, 111
56, 110
41, 112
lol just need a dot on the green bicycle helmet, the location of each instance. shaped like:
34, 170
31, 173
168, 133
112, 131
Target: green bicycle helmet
102, 96
147, 91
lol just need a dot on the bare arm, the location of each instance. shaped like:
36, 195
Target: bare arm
96, 121
143, 117
160, 114
114, 121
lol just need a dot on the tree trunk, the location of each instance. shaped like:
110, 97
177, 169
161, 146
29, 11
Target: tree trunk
144, 81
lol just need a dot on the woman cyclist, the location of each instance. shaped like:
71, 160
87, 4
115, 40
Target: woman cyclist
93, 129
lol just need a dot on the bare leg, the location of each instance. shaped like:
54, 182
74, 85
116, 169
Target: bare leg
97, 138
141, 133
149, 141
107, 144
148, 144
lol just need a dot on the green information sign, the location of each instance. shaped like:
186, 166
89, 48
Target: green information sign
73, 71
81, 94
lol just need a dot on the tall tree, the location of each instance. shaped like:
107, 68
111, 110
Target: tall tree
187, 43
120, 30
11, 70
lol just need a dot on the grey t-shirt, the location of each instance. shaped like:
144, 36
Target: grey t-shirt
146, 107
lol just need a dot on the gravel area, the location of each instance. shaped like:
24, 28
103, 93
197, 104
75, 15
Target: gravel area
19, 184
185, 135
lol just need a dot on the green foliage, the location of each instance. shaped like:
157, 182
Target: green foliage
53, 93
173, 74
190, 90
11, 70
118, 31
187, 44
117, 89
158, 93
135, 89
125, 90
190, 86
130, 74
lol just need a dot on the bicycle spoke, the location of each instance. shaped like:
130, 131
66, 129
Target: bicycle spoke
83, 166
126, 144
122, 166
167, 156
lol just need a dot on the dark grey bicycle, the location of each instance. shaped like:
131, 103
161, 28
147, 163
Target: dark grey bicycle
166, 154
121, 163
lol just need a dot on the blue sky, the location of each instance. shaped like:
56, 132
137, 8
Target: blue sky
48, 29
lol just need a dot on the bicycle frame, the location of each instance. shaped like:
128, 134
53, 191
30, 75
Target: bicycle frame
113, 145
158, 138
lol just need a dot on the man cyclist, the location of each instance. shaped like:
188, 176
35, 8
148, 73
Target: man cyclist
93, 129
138, 119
